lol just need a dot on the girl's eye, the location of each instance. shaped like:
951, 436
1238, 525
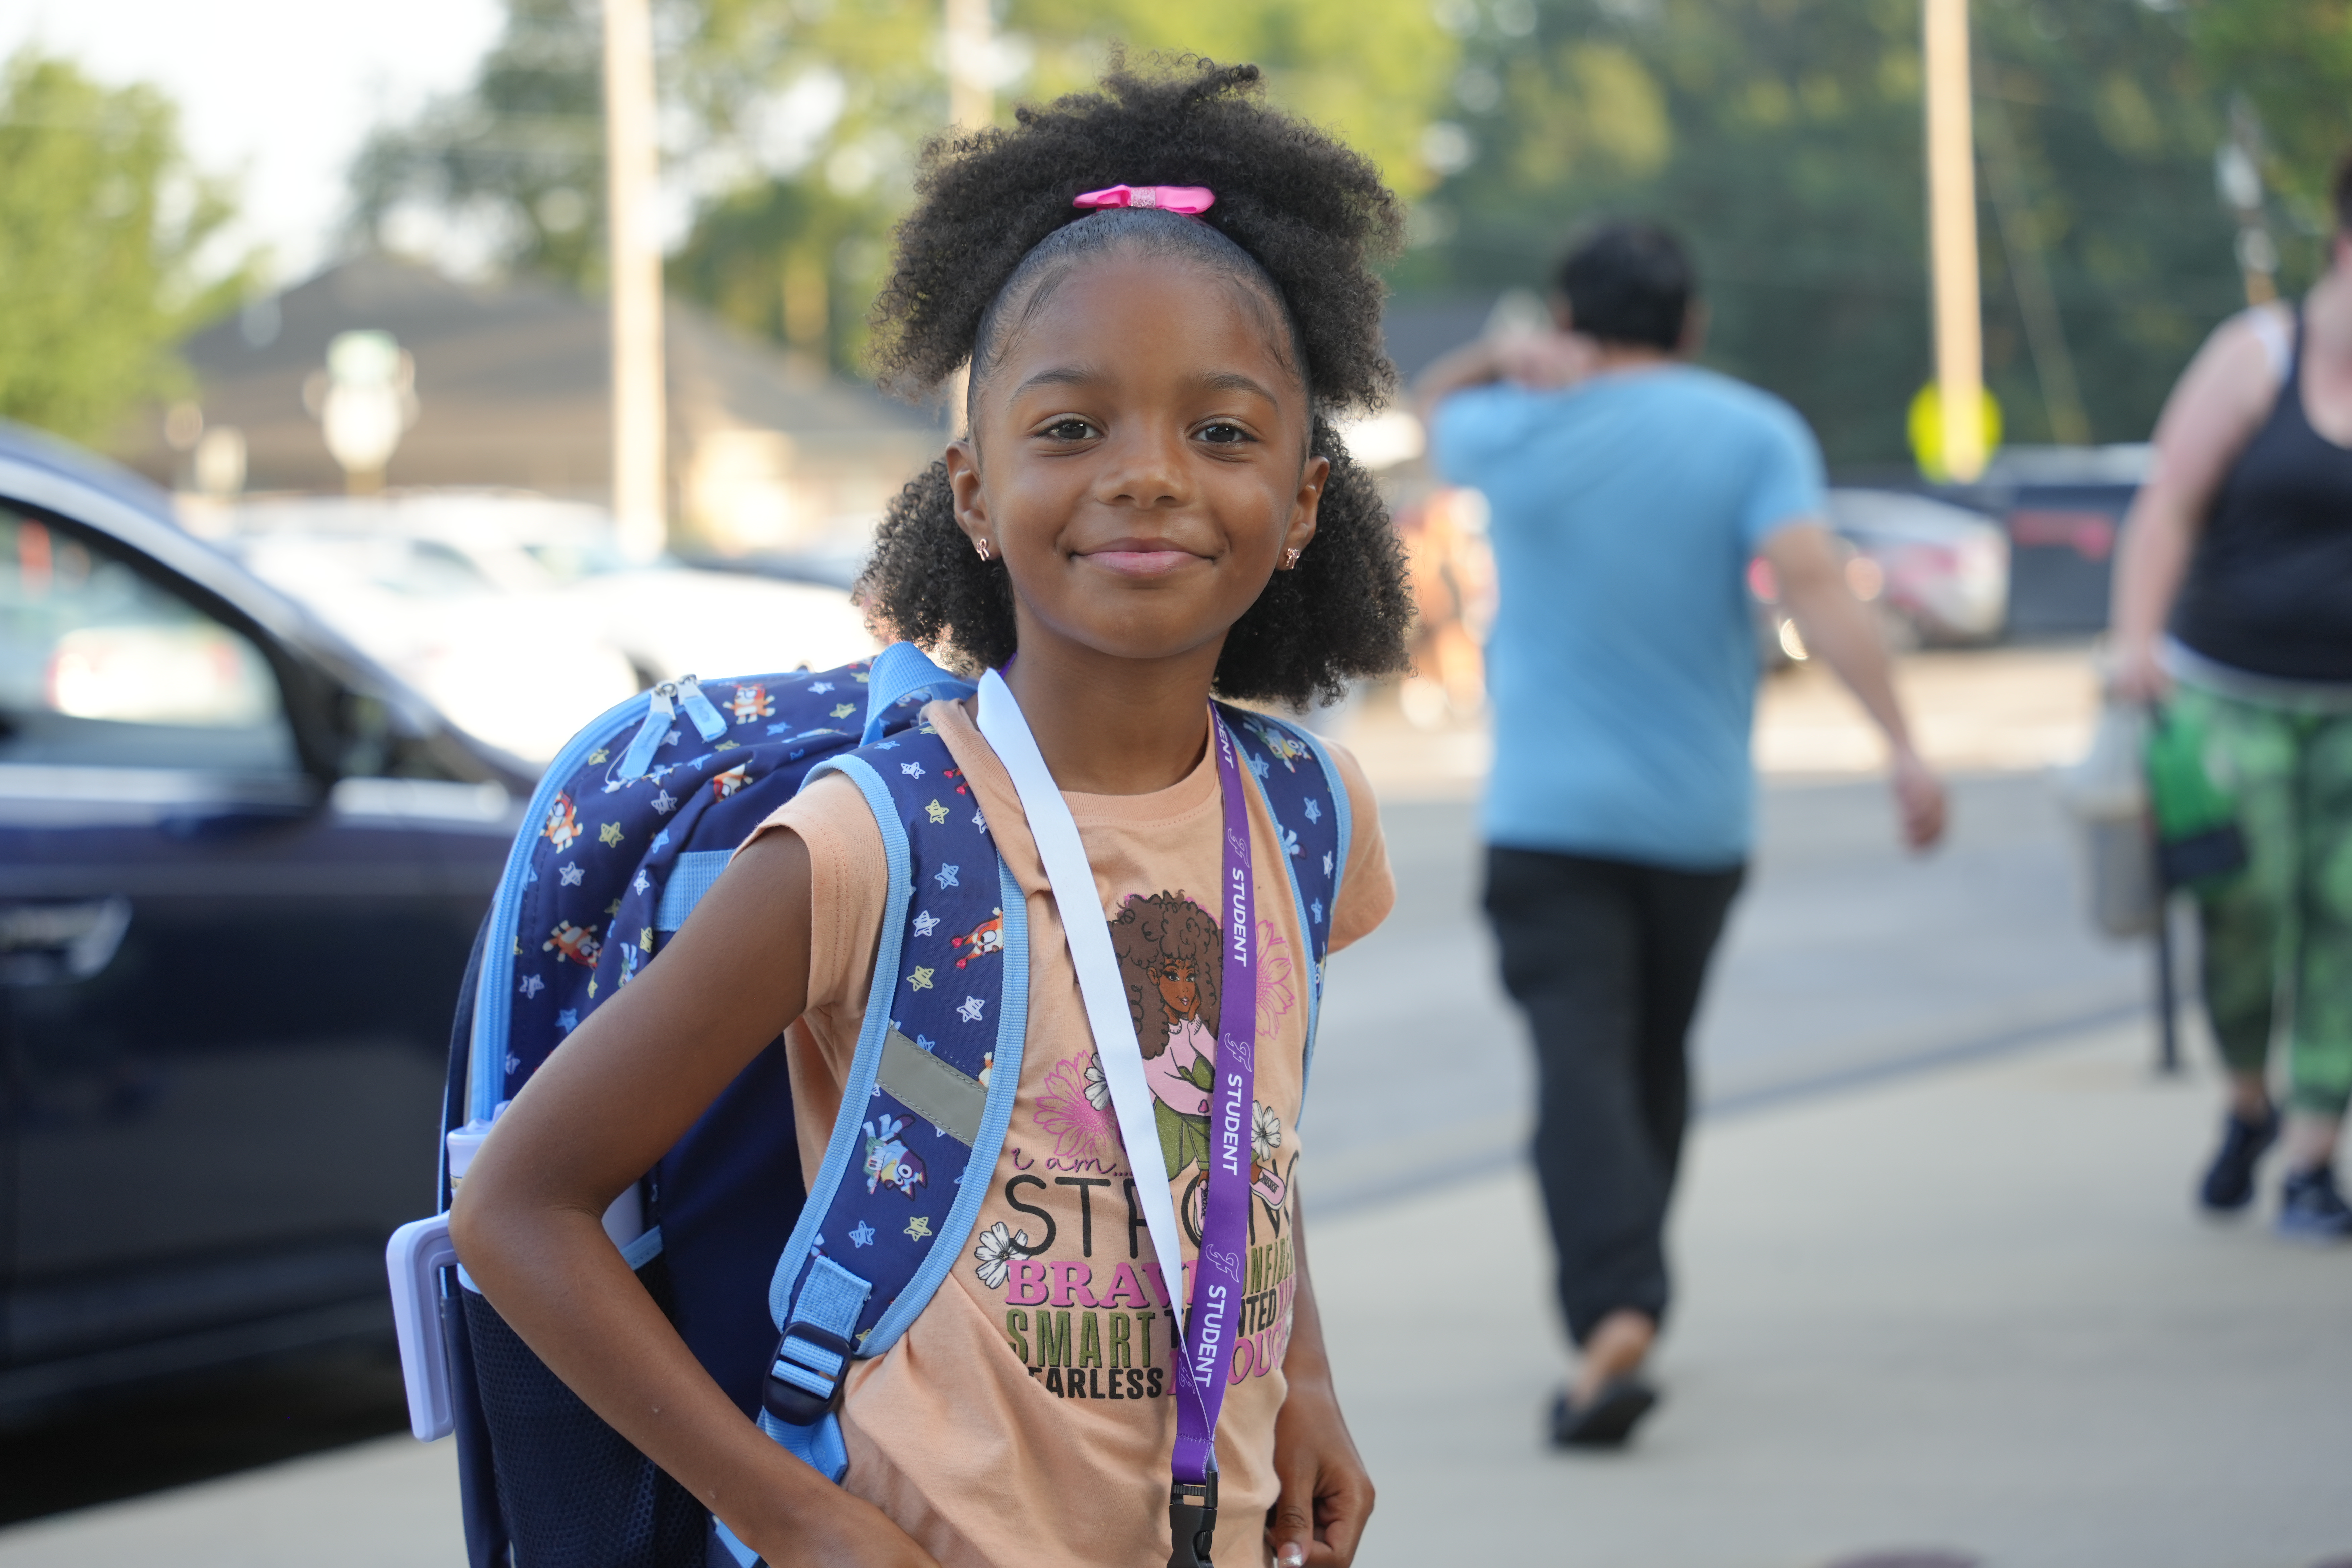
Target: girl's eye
1224, 434
1070, 429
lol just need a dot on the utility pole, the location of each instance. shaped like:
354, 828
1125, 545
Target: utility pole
971, 99
1952, 239
971, 104
632, 166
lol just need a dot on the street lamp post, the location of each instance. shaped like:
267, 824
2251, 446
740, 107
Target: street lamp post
1952, 239
639, 418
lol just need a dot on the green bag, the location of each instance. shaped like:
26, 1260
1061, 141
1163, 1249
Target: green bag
2197, 835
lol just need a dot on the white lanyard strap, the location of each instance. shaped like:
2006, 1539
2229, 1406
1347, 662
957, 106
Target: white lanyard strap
1072, 880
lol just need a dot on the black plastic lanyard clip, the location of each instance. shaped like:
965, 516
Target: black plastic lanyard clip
1191, 1522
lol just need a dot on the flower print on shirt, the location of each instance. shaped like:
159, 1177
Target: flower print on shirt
996, 1252
1170, 955
1277, 995
1073, 1110
1265, 1143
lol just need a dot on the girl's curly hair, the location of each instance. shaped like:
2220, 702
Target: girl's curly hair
1298, 219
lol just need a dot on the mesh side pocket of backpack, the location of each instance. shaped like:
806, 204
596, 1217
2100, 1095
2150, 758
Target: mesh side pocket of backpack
575, 1493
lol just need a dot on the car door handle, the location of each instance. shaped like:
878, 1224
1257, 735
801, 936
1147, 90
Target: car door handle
43, 944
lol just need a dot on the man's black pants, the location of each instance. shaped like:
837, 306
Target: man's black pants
1607, 958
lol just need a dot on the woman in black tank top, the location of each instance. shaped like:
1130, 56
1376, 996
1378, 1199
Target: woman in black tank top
2234, 607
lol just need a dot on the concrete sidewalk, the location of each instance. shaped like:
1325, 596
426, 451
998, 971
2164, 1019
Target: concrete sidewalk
1968, 1308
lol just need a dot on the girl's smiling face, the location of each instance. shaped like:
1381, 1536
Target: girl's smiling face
1138, 457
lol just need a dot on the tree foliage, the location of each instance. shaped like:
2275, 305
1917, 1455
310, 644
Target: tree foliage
1784, 138
791, 127
2293, 60
101, 225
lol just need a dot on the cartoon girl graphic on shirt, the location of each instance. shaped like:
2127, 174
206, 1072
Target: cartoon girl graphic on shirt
1170, 954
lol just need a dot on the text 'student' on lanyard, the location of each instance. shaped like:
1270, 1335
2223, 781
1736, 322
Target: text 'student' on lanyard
1206, 1324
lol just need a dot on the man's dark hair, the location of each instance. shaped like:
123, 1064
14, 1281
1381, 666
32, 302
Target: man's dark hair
1298, 221
2341, 189
1628, 284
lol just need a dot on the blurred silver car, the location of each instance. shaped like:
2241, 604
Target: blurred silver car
1938, 574
519, 614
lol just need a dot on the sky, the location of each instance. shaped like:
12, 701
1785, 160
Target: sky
279, 94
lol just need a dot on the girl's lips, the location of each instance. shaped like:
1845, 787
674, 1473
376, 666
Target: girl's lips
1139, 563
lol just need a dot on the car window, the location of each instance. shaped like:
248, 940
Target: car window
102, 667
572, 560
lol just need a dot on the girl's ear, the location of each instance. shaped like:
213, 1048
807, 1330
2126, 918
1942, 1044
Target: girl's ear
970, 503
1312, 478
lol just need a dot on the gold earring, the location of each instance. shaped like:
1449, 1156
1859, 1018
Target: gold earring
1290, 561
982, 545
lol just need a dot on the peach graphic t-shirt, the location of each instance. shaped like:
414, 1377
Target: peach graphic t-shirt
1026, 1418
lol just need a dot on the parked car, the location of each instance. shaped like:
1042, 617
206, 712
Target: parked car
241, 868
1938, 574
2062, 507
476, 597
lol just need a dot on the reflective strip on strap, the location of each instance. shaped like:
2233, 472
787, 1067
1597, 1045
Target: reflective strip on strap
934, 1088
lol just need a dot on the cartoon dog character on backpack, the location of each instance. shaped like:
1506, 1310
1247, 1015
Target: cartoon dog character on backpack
888, 1158
986, 938
577, 943
562, 828
726, 784
751, 703
1283, 749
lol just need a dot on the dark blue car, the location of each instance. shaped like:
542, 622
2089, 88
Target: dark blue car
240, 871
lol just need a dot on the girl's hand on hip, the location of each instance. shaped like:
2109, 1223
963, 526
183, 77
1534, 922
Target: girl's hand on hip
1326, 1494
835, 1530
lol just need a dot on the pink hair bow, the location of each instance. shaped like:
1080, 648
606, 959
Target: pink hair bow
1189, 200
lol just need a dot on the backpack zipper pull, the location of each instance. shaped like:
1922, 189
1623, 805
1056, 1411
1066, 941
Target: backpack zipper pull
706, 719
639, 756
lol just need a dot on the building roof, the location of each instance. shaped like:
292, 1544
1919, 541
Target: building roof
512, 383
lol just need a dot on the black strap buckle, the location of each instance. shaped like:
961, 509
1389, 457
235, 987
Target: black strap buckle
787, 1401
1191, 1522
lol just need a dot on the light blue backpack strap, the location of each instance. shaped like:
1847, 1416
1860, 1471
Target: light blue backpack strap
811, 1290
841, 1152
1003, 1087
898, 672
1344, 810
1316, 842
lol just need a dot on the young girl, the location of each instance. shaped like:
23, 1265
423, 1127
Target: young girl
1150, 507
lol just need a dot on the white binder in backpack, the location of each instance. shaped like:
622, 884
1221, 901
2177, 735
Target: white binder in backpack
413, 1260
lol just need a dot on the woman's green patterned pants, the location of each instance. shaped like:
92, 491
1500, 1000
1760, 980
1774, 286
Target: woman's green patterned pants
2278, 934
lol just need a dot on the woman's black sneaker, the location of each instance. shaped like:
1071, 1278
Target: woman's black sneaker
2230, 1180
2312, 1209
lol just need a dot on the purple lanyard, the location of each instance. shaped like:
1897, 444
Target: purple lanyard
1204, 1351
1207, 1357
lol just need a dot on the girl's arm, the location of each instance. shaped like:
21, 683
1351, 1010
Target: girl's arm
2221, 400
1327, 1493
626, 1087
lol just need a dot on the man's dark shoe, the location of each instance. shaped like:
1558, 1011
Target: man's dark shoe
1607, 1421
2311, 1208
2230, 1180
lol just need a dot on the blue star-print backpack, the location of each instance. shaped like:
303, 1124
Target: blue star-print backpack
773, 1288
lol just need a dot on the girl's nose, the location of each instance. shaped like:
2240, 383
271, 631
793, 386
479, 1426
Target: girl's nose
1146, 469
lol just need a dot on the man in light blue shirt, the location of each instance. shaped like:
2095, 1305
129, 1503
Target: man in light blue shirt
1628, 491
